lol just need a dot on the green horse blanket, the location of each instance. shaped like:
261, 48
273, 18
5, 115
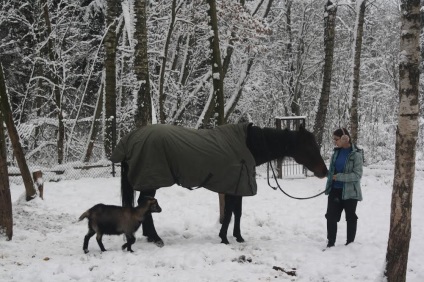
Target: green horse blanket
161, 155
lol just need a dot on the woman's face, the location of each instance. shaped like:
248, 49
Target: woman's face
337, 141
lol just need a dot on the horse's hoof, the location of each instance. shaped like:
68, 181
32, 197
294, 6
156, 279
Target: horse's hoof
158, 241
224, 240
240, 239
86, 251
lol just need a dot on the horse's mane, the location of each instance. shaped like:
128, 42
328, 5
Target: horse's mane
267, 144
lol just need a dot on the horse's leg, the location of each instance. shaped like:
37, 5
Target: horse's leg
237, 217
221, 207
228, 211
148, 225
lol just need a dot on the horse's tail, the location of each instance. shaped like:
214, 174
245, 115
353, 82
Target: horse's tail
127, 191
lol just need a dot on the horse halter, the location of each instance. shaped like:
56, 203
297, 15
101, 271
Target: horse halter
281, 189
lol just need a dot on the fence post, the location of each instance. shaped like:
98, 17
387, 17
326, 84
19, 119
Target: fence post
279, 161
288, 165
38, 181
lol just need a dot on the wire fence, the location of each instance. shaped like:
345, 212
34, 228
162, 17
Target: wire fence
104, 169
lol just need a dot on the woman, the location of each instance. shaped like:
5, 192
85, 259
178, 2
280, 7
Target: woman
343, 186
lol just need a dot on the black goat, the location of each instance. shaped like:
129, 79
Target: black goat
115, 220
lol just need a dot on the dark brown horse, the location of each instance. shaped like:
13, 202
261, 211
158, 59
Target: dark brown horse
253, 146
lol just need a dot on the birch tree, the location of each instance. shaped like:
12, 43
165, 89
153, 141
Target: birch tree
406, 139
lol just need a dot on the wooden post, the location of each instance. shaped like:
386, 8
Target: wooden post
278, 125
38, 181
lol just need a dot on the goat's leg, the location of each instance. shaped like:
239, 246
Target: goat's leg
130, 241
99, 241
237, 217
148, 225
87, 238
228, 211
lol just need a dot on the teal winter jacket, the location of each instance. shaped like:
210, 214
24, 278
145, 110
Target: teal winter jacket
351, 175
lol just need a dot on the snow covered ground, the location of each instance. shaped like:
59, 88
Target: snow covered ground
279, 232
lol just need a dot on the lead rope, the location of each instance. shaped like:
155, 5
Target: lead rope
279, 187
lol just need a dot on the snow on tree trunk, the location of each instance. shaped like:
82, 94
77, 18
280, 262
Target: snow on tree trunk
6, 113
143, 115
215, 113
94, 128
329, 32
406, 139
6, 219
110, 84
359, 30
162, 96
56, 89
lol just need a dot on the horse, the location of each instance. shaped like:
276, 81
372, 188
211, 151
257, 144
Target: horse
222, 159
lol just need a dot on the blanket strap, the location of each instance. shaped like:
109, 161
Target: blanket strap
203, 183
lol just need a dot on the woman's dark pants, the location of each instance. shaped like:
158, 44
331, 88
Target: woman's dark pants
335, 207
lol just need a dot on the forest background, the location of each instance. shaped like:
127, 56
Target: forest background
56, 61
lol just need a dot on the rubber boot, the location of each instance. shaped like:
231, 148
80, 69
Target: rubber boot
331, 233
351, 231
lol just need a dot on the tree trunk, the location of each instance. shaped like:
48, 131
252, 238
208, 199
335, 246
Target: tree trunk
6, 218
143, 115
56, 90
94, 125
406, 139
354, 119
294, 105
110, 82
162, 96
215, 113
14, 139
235, 97
329, 32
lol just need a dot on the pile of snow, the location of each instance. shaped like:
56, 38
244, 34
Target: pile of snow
280, 233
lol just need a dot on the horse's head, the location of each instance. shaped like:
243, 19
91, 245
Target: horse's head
306, 152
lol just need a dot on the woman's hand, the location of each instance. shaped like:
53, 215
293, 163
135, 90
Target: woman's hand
334, 176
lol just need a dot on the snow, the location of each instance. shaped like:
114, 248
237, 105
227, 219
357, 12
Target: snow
279, 231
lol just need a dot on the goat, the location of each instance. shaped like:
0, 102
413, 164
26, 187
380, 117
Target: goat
115, 220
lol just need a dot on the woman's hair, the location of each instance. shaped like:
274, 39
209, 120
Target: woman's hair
341, 131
